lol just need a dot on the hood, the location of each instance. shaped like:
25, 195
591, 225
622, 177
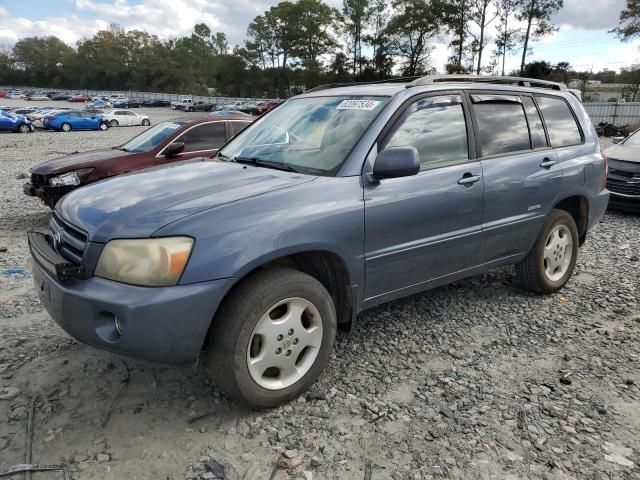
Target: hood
139, 203
625, 153
78, 160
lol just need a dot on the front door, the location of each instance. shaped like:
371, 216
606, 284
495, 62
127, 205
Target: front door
425, 228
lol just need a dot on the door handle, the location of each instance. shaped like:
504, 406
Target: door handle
547, 162
468, 179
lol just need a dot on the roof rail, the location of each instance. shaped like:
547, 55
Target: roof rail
495, 79
327, 86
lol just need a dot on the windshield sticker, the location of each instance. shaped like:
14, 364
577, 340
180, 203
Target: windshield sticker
358, 105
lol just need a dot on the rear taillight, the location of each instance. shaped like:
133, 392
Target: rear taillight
606, 170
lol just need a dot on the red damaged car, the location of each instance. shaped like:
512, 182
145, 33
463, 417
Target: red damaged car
167, 142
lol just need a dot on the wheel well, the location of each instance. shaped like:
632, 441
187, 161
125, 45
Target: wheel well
326, 267
578, 208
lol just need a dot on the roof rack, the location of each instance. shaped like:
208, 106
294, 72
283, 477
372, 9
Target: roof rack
327, 86
521, 81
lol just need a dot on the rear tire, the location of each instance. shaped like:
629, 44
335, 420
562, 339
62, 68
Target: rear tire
114, 123
272, 337
550, 262
65, 127
146, 123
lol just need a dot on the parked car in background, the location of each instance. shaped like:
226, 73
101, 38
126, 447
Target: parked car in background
156, 103
167, 142
24, 111
75, 120
98, 104
181, 102
38, 97
623, 177
37, 117
265, 107
198, 106
15, 96
125, 118
119, 102
79, 99
14, 123
3, 94
61, 97
134, 103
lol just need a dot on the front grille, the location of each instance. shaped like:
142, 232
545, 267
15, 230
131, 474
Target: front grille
38, 180
623, 187
67, 240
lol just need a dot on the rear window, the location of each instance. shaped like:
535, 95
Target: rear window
501, 123
561, 124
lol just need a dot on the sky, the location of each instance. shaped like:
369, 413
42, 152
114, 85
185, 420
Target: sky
582, 38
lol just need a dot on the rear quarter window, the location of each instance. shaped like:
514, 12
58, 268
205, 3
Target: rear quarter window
561, 124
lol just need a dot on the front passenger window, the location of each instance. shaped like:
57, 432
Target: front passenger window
436, 127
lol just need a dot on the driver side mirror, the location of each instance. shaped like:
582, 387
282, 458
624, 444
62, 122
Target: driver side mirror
174, 149
396, 162
617, 140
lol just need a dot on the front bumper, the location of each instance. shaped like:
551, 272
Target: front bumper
625, 202
166, 325
49, 195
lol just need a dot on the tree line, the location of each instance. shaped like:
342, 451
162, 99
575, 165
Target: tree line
292, 46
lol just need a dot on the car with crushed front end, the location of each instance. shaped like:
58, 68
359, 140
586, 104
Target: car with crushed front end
11, 122
68, 120
338, 200
623, 178
167, 142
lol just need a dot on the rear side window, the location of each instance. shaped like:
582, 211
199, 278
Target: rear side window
436, 127
561, 124
501, 123
538, 138
237, 127
209, 136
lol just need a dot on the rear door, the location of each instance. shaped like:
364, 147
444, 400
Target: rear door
522, 177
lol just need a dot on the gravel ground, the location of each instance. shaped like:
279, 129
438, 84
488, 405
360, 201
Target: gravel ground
479, 379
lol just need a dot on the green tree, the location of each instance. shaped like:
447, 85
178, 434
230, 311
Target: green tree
410, 29
629, 26
536, 14
355, 16
506, 33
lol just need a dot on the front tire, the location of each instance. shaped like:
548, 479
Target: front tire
24, 128
103, 126
146, 123
272, 337
65, 127
114, 123
550, 263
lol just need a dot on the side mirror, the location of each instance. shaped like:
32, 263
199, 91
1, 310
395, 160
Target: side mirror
396, 162
174, 149
617, 140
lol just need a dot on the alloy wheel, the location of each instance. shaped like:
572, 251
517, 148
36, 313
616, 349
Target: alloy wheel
558, 250
284, 344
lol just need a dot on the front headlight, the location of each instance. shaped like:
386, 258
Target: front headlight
150, 262
76, 177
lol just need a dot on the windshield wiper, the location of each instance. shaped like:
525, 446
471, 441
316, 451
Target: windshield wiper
265, 163
221, 156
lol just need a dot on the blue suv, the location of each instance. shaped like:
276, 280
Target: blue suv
75, 120
337, 201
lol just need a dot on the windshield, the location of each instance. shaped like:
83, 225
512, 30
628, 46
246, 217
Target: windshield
151, 138
314, 134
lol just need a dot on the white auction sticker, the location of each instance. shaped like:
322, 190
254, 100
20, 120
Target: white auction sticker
357, 105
